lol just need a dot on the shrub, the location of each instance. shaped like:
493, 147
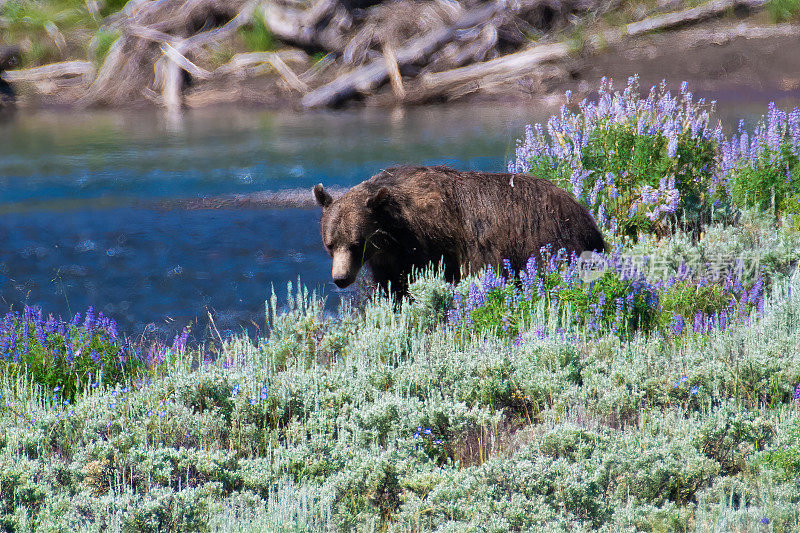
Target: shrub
618, 300
783, 10
784, 460
68, 357
257, 36
762, 169
633, 161
506, 306
101, 43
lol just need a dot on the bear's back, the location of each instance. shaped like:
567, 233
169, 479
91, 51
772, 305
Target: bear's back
489, 216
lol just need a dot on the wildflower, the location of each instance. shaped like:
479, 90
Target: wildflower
88, 321
694, 389
253, 401
684, 379
427, 431
149, 413
764, 520
677, 324
235, 391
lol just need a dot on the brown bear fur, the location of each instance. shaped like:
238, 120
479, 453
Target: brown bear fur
408, 217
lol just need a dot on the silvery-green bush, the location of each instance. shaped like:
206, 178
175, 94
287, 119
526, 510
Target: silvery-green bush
383, 420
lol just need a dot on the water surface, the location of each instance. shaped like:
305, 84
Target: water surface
89, 211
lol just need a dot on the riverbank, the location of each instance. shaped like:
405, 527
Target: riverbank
246, 54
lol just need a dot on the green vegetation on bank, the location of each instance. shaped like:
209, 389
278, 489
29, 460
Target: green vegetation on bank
783, 10
59, 30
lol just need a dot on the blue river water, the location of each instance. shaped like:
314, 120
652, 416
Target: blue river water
100, 208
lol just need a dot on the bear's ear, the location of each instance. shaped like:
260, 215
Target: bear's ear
379, 198
323, 198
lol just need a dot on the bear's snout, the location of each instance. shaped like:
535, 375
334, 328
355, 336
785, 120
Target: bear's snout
344, 269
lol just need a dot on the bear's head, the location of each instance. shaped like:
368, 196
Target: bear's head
351, 229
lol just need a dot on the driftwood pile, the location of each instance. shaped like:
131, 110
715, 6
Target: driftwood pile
398, 51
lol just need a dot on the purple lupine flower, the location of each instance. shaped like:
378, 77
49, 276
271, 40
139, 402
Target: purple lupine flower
5, 341
25, 338
179, 342
677, 324
88, 322
12, 341
453, 316
41, 336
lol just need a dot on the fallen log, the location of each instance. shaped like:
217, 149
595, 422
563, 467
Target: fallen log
223, 32
508, 66
171, 82
375, 72
301, 29
257, 63
178, 58
287, 74
154, 43
702, 12
67, 69
394, 71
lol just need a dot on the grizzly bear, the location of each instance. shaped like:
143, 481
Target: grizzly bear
408, 217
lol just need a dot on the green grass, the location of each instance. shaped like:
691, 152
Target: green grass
783, 10
256, 35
